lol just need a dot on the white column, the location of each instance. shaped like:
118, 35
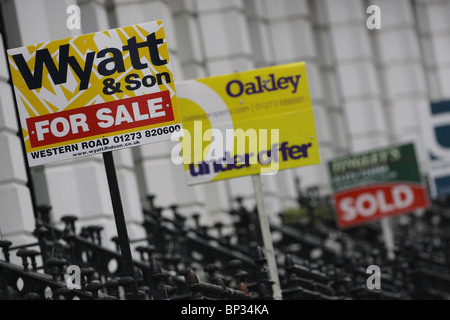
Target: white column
402, 78
357, 74
331, 87
225, 33
225, 45
292, 39
436, 27
22, 27
263, 50
190, 45
16, 218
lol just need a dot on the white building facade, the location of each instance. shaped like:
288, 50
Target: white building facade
366, 85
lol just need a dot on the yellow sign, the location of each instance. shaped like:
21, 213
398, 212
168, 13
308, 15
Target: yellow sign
252, 122
95, 92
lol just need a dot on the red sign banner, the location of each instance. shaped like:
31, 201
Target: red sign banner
125, 114
360, 205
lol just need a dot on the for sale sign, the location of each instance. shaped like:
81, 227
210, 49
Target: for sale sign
376, 184
95, 92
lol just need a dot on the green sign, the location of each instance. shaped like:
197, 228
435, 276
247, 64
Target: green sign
389, 164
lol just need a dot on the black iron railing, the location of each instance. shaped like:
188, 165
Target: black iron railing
180, 260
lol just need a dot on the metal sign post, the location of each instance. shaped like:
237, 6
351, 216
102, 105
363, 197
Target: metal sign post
119, 218
388, 237
267, 237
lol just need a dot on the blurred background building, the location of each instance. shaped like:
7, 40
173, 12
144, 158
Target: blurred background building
366, 87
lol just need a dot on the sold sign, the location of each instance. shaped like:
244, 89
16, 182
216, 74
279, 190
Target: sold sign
361, 205
376, 184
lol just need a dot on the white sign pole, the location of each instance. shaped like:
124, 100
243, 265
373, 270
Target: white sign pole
388, 236
267, 237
